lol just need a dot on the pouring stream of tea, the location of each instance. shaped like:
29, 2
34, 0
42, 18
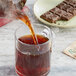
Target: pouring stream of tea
23, 17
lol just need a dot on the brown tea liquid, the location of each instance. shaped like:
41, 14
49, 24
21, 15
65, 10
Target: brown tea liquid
37, 64
23, 17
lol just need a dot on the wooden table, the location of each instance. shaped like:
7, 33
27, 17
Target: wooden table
61, 65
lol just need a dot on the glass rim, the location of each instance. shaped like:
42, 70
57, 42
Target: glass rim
36, 34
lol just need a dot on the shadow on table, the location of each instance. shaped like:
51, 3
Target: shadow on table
7, 71
55, 71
